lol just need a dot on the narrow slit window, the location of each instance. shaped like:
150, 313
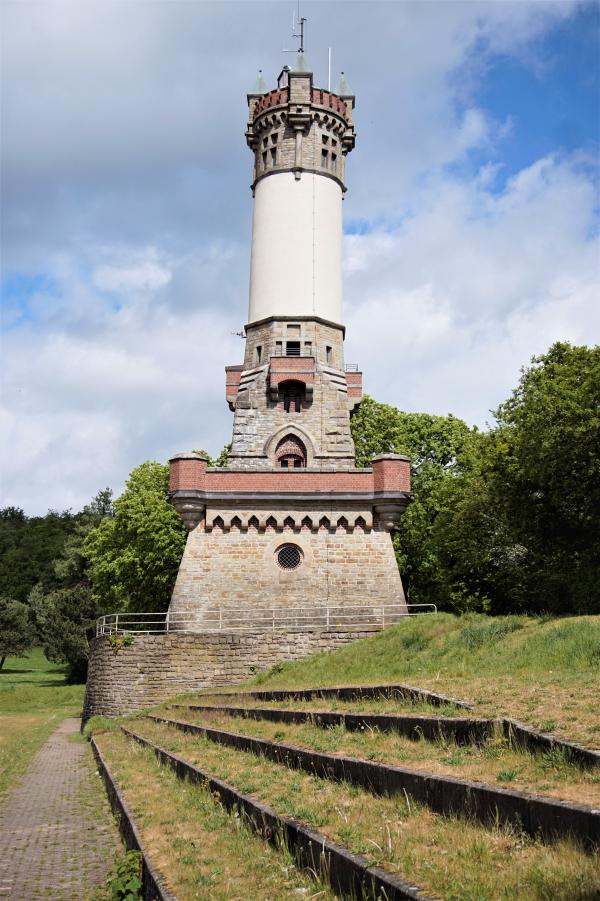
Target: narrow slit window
273, 156
333, 162
324, 158
258, 353
264, 159
328, 354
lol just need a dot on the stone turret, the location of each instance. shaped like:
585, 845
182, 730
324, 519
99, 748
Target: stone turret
294, 372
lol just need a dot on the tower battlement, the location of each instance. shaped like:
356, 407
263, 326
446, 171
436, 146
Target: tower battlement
300, 128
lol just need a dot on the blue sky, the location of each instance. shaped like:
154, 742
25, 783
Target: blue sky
471, 216
552, 95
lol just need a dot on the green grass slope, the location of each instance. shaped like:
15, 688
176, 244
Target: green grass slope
541, 670
446, 645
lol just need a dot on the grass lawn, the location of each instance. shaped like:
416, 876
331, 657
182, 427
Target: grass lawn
542, 670
34, 698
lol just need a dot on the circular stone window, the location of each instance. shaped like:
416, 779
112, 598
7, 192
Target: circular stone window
289, 556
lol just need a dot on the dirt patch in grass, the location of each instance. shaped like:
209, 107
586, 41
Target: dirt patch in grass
202, 851
451, 858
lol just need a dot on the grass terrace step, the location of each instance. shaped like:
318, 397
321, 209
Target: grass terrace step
199, 849
535, 814
542, 671
496, 761
447, 857
460, 730
349, 874
353, 693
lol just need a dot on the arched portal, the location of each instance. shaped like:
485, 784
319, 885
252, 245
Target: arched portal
290, 453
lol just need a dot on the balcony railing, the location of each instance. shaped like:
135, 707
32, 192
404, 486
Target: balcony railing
263, 619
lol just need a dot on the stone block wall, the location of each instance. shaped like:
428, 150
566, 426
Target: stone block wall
155, 668
234, 563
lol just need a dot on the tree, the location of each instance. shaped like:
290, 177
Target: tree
16, 631
220, 461
134, 556
443, 452
28, 548
65, 617
544, 471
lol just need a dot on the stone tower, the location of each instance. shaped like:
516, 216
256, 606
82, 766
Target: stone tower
290, 521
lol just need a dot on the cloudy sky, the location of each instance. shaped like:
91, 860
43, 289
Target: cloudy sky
471, 216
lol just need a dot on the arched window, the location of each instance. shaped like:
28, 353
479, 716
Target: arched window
291, 396
291, 453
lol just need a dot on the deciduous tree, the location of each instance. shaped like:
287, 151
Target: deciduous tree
134, 555
16, 631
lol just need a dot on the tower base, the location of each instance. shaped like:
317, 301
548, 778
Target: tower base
232, 560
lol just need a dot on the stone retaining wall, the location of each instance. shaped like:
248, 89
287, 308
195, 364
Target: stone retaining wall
155, 668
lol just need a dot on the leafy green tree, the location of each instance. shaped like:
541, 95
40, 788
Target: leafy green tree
28, 548
222, 459
65, 617
65, 620
16, 631
544, 472
134, 555
443, 452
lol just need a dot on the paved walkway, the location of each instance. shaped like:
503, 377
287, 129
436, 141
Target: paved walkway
57, 836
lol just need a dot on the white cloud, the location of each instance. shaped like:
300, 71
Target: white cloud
126, 182
444, 310
144, 275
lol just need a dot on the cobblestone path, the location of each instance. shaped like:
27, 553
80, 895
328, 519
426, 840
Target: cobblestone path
58, 839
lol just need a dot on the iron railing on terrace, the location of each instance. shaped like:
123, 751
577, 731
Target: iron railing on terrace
263, 619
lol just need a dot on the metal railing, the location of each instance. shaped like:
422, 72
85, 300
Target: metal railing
351, 367
262, 619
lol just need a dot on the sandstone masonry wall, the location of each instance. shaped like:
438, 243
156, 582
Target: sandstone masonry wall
157, 667
238, 569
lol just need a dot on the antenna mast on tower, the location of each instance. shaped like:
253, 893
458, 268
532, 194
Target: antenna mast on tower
300, 37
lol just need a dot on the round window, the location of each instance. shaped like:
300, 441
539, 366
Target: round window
289, 556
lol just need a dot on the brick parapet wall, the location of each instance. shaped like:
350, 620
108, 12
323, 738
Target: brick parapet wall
389, 475
187, 472
156, 668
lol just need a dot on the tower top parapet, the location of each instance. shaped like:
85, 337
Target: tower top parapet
299, 127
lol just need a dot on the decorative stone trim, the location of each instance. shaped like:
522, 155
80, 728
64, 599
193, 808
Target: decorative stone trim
289, 521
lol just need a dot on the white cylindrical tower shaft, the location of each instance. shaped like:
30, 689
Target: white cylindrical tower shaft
296, 257
300, 136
